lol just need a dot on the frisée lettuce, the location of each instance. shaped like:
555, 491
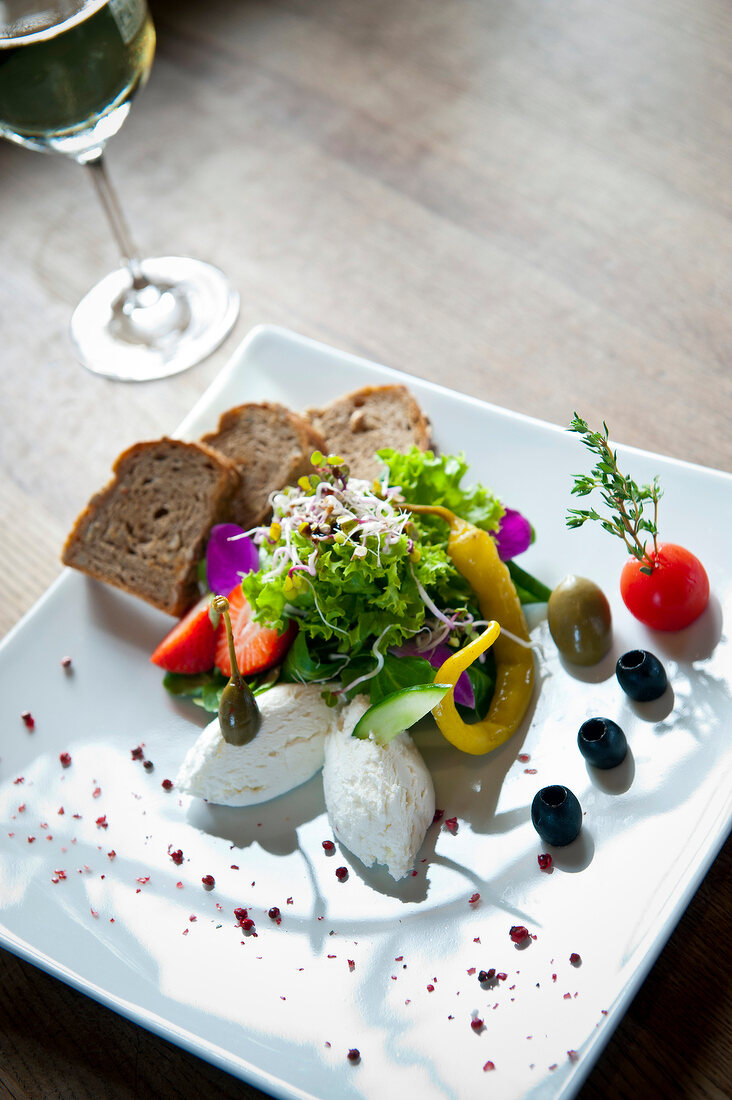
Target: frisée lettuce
362, 577
378, 599
426, 478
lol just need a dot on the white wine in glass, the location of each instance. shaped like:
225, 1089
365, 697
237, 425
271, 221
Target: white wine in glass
68, 72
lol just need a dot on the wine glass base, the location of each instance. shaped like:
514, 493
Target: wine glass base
137, 337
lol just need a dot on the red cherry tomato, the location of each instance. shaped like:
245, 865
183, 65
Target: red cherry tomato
675, 593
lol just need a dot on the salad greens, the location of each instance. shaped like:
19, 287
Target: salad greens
362, 577
205, 688
528, 588
426, 478
372, 587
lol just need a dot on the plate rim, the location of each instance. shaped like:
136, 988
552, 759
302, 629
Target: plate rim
237, 1065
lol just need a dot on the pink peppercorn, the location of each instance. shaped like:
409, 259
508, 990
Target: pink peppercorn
167, 784
28, 719
328, 846
477, 1024
545, 861
575, 959
241, 913
518, 933
177, 857
354, 1055
65, 758
341, 873
209, 881
273, 913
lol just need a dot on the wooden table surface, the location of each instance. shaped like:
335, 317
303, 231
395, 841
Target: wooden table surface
527, 201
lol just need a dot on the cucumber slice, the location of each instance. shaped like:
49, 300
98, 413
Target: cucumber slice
398, 711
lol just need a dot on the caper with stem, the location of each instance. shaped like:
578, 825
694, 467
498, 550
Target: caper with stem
239, 716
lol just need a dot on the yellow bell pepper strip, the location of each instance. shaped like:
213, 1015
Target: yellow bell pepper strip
475, 556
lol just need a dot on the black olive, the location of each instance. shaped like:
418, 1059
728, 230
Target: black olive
556, 815
602, 742
641, 675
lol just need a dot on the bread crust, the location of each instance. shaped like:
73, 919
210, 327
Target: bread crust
145, 531
270, 446
358, 424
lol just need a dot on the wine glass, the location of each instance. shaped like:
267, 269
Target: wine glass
68, 72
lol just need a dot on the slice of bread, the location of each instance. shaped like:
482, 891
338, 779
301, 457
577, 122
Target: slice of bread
146, 530
356, 425
270, 447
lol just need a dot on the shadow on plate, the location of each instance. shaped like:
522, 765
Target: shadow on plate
696, 642
657, 709
478, 779
576, 856
614, 780
273, 825
125, 617
412, 888
593, 674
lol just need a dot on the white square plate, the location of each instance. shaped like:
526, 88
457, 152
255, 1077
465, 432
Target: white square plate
390, 969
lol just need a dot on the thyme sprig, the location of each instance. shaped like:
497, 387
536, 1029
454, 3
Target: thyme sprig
624, 498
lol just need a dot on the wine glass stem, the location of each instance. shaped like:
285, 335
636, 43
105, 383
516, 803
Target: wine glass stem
116, 219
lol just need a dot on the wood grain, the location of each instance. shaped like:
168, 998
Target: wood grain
528, 202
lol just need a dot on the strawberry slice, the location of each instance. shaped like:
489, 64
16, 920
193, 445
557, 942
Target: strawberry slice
191, 644
257, 647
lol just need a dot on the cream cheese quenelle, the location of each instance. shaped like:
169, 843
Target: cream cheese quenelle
380, 798
287, 750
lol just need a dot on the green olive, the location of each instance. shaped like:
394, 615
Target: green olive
579, 620
239, 717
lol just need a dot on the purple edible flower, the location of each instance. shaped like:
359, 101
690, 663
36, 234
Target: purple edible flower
229, 555
436, 657
513, 536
